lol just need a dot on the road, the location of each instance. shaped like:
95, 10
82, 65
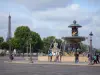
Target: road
33, 69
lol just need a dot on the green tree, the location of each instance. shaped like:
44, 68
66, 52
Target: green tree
1, 39
37, 43
58, 40
84, 47
47, 42
15, 43
4, 45
22, 34
22, 38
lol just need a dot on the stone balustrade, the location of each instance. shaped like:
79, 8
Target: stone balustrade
64, 58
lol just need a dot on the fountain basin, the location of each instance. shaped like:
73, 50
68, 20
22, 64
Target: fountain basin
74, 39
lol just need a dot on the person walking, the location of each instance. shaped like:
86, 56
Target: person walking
61, 54
89, 58
95, 59
11, 57
50, 55
76, 57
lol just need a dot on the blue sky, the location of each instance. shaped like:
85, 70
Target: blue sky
52, 17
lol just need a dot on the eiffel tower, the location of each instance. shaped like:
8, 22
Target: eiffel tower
9, 28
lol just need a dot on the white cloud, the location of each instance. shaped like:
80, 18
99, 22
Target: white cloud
44, 4
74, 7
60, 18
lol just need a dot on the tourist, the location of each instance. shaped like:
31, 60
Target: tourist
61, 54
89, 58
57, 57
50, 55
95, 59
11, 57
76, 57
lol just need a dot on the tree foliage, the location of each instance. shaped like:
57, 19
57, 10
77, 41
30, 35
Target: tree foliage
47, 42
84, 47
15, 43
1, 39
37, 43
23, 37
22, 34
4, 45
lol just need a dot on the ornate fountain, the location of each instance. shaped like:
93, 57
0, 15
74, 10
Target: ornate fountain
74, 40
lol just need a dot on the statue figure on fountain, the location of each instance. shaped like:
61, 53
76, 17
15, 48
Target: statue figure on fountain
55, 49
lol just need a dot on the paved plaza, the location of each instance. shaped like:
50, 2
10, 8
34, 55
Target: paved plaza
45, 69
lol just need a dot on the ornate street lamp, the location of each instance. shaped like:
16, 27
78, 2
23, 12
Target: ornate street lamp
27, 48
91, 34
30, 50
10, 53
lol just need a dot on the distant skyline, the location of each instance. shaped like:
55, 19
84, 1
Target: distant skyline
52, 17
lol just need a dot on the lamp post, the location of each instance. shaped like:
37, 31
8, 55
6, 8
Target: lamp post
91, 34
62, 48
27, 49
30, 51
10, 53
10, 46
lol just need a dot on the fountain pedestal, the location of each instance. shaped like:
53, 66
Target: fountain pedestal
75, 39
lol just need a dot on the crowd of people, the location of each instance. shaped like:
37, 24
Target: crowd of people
58, 56
95, 59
